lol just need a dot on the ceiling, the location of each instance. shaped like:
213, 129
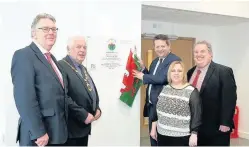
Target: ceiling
188, 17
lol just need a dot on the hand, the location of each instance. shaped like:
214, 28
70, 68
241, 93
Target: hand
97, 115
153, 134
193, 140
138, 74
89, 118
42, 141
141, 63
224, 128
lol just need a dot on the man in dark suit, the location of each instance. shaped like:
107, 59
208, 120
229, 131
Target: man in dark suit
217, 88
40, 90
156, 77
82, 90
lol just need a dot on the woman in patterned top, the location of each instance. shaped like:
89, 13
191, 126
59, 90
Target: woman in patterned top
177, 115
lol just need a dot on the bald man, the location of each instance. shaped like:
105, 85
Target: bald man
82, 90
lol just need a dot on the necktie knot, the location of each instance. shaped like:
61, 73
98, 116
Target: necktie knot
48, 55
198, 72
160, 61
80, 66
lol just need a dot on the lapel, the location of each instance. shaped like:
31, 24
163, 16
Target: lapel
190, 73
165, 62
67, 58
208, 75
58, 66
45, 62
153, 65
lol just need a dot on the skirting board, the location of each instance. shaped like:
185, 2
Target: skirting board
244, 135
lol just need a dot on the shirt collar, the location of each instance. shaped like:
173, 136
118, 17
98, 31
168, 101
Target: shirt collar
43, 50
76, 64
164, 57
204, 69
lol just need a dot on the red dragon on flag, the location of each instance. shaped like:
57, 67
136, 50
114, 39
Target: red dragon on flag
130, 84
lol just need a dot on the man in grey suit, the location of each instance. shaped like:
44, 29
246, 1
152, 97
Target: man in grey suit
82, 90
40, 90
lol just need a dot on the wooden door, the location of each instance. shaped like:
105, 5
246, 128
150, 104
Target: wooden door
183, 48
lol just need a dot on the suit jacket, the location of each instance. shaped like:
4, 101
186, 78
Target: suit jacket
157, 80
39, 97
218, 94
78, 91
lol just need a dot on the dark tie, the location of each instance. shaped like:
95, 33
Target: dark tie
48, 55
160, 62
196, 78
89, 84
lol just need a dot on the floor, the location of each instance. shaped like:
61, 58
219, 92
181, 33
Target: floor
144, 141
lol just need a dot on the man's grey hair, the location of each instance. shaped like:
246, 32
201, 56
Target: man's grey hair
41, 16
209, 46
38, 18
71, 40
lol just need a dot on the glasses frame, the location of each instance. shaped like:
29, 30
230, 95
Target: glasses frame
47, 29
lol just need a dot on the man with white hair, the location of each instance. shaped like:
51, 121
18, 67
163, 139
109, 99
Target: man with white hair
217, 88
82, 90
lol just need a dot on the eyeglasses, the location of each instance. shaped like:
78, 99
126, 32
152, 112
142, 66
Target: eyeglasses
47, 29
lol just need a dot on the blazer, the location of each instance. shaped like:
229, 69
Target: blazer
78, 91
158, 80
219, 96
39, 97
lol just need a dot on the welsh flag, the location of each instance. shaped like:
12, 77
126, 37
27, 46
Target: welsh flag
130, 84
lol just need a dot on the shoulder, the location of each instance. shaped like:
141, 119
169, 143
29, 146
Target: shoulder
25, 50
191, 70
155, 60
171, 58
222, 68
166, 88
189, 88
192, 90
174, 57
61, 62
24, 54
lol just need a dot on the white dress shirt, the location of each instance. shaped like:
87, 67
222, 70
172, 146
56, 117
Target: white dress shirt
45, 51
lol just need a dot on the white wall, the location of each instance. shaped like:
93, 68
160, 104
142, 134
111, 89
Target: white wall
233, 50
223, 7
2, 98
119, 125
230, 47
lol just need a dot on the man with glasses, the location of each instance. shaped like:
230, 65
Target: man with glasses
39, 88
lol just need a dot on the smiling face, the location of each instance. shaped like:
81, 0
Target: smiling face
202, 55
176, 74
45, 33
77, 49
161, 48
